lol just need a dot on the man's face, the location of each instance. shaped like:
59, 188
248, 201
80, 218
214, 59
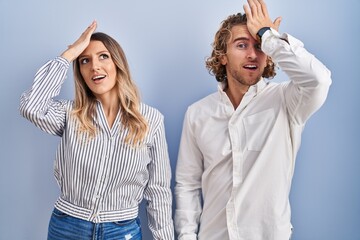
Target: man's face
244, 60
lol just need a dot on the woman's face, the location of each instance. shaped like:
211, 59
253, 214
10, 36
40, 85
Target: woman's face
98, 69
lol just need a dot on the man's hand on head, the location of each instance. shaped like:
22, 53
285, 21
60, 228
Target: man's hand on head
258, 17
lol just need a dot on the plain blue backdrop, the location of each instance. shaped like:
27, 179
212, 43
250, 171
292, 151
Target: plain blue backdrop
166, 43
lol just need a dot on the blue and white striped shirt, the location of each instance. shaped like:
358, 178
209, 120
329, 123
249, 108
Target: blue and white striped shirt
102, 179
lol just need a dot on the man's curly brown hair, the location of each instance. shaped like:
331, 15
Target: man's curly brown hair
219, 45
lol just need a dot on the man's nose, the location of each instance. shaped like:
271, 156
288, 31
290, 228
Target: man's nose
251, 54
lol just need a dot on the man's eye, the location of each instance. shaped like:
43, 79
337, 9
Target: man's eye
104, 56
242, 45
84, 60
258, 47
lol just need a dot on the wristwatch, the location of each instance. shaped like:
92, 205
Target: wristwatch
261, 32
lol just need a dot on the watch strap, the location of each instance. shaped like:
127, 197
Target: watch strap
261, 32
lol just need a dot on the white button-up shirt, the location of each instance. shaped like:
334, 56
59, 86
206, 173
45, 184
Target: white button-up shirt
235, 167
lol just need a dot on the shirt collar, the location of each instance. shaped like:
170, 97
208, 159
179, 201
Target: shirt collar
254, 89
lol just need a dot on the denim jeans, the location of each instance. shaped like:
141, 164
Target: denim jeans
63, 226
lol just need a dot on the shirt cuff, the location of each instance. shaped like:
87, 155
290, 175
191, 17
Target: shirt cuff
62, 60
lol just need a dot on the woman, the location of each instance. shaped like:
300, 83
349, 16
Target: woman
113, 151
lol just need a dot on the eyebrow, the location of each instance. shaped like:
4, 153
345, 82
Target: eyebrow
98, 53
241, 39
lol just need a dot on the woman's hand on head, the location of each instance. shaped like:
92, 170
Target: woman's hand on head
75, 49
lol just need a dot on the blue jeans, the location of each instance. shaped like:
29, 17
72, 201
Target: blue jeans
63, 226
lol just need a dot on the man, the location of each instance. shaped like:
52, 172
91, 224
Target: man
239, 145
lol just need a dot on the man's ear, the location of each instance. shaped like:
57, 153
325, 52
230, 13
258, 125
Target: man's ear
223, 59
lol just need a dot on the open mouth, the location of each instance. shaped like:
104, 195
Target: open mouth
98, 78
251, 67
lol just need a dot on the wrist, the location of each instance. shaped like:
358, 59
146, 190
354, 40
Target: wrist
261, 32
68, 55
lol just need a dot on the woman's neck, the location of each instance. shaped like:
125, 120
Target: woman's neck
110, 105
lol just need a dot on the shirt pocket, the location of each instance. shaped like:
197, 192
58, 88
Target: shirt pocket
257, 129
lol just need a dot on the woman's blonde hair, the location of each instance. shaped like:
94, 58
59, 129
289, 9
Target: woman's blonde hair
219, 45
85, 102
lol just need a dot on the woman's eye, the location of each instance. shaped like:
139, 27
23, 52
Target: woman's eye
104, 56
84, 60
258, 47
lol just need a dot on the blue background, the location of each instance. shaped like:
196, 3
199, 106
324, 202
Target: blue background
166, 43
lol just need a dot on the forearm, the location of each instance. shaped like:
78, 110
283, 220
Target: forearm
159, 211
158, 191
302, 67
188, 212
189, 170
37, 104
309, 78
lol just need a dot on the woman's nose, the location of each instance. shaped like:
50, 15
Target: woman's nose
95, 65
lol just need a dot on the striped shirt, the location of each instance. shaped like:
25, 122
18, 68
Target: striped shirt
101, 178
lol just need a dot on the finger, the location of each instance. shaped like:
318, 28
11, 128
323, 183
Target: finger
277, 23
247, 12
93, 25
255, 7
252, 8
264, 8
91, 28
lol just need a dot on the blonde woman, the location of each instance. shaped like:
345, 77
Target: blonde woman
113, 151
